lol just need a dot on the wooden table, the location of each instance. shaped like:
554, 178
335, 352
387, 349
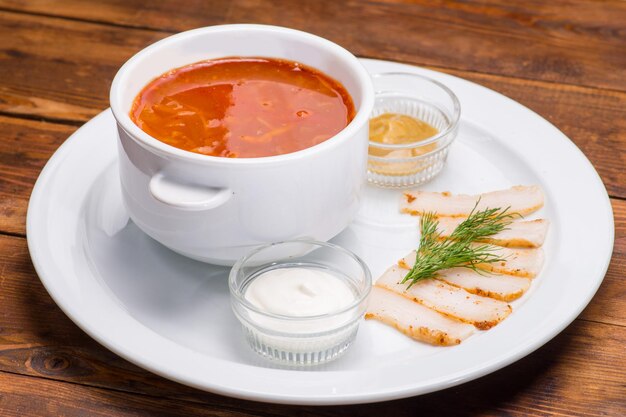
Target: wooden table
564, 59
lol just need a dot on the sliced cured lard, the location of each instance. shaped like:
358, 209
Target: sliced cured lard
519, 262
455, 302
520, 199
415, 320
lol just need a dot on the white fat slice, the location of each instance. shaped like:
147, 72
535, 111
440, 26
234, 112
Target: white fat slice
499, 286
455, 302
520, 199
524, 234
519, 262
415, 320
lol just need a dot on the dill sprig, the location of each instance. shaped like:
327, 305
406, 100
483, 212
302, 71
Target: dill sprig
460, 249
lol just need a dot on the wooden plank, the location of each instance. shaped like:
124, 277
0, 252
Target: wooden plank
36, 338
575, 374
22, 396
163, 15
554, 380
61, 69
595, 120
557, 41
45, 79
25, 148
612, 292
579, 42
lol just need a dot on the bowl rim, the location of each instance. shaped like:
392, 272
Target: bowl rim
454, 121
238, 296
361, 118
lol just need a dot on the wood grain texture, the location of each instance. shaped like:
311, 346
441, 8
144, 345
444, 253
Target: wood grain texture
22, 396
61, 69
540, 40
25, 148
575, 374
43, 80
594, 120
569, 376
613, 289
563, 59
579, 42
163, 15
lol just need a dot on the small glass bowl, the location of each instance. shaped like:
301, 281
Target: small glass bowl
412, 163
308, 340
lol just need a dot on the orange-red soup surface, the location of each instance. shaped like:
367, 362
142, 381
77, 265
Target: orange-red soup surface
243, 107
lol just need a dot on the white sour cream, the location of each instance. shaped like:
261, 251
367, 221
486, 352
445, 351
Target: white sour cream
299, 292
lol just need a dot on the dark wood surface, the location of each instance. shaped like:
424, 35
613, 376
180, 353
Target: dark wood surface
566, 60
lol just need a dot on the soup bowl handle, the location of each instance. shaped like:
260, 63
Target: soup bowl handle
187, 196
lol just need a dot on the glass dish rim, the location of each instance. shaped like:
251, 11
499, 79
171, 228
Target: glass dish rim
238, 295
386, 159
454, 121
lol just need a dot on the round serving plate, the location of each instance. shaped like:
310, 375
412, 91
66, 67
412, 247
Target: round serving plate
172, 316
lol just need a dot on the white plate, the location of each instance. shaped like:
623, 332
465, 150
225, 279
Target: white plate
171, 315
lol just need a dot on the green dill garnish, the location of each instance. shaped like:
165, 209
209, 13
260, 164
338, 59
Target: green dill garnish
460, 248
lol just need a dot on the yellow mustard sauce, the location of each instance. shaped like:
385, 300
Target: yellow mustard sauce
399, 129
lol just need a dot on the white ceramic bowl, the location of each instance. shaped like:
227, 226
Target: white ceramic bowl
215, 209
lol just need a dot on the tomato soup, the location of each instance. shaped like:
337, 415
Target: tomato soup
243, 107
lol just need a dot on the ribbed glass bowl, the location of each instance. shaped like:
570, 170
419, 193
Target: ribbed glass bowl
305, 340
412, 163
